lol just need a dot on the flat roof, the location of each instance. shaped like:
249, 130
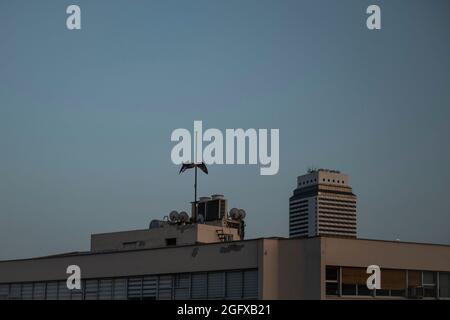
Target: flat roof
85, 253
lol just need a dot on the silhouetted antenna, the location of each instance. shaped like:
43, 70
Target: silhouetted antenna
312, 169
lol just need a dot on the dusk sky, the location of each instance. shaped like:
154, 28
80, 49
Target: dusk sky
86, 116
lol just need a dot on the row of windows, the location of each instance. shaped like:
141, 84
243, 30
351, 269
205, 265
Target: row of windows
333, 180
340, 232
298, 211
297, 206
323, 180
294, 215
298, 223
308, 181
299, 201
337, 206
298, 229
297, 217
339, 216
240, 284
349, 201
414, 284
333, 223
336, 220
348, 214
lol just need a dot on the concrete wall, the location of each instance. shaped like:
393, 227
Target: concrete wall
299, 269
290, 268
386, 254
155, 238
207, 233
211, 257
152, 238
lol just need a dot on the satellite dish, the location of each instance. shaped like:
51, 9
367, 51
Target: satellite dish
234, 213
174, 216
242, 214
183, 216
200, 218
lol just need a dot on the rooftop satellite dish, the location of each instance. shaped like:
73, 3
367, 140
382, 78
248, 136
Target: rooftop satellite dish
234, 213
183, 216
174, 216
242, 214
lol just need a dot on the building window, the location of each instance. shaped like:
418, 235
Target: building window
332, 281
234, 281
199, 286
354, 282
182, 285
91, 290
444, 284
414, 284
171, 241
429, 284
120, 289
393, 283
105, 289
250, 290
216, 285
348, 289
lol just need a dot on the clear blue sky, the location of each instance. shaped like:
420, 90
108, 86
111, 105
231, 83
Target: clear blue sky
86, 116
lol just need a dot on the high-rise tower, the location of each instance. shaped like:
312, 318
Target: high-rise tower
322, 205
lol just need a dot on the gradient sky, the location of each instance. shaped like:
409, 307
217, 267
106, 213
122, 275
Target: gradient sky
86, 116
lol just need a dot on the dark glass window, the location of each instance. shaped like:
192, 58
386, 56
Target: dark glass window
383, 293
332, 273
171, 241
349, 289
429, 292
398, 293
332, 288
444, 284
429, 284
429, 278
363, 290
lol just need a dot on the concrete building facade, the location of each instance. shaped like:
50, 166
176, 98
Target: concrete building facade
268, 268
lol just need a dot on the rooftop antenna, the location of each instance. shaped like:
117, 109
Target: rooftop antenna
312, 169
195, 165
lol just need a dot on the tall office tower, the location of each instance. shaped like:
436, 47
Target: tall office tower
322, 205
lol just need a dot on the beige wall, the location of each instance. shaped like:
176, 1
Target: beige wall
299, 270
386, 254
207, 233
155, 238
290, 268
